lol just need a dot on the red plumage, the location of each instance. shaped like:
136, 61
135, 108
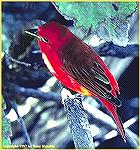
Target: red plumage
78, 67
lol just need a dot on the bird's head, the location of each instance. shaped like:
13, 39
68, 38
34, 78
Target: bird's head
50, 35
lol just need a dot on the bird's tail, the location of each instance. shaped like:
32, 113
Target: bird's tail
113, 110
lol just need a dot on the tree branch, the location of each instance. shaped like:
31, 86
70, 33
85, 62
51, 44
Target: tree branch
78, 122
29, 92
110, 49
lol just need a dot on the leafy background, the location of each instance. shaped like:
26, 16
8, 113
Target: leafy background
32, 107
107, 20
6, 128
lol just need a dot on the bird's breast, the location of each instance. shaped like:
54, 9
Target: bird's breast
47, 62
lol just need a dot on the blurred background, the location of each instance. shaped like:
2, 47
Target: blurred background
33, 113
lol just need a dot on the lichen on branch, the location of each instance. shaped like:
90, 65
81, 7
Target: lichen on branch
78, 122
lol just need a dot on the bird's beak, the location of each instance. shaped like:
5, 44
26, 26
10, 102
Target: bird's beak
33, 32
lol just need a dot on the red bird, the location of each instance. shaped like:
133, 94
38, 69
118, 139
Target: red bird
78, 66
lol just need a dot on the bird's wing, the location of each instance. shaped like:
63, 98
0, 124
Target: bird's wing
82, 66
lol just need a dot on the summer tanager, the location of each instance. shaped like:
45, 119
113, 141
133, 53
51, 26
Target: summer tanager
77, 66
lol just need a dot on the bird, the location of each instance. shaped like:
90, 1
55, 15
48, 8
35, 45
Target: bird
78, 67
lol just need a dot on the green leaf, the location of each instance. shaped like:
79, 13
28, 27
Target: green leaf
108, 23
6, 129
6, 142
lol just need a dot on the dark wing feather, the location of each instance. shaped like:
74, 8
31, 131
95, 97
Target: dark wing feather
81, 65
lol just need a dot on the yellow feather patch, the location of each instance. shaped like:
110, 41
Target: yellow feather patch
84, 91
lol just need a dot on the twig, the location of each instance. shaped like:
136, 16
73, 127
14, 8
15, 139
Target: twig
78, 122
16, 61
107, 121
131, 137
21, 122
